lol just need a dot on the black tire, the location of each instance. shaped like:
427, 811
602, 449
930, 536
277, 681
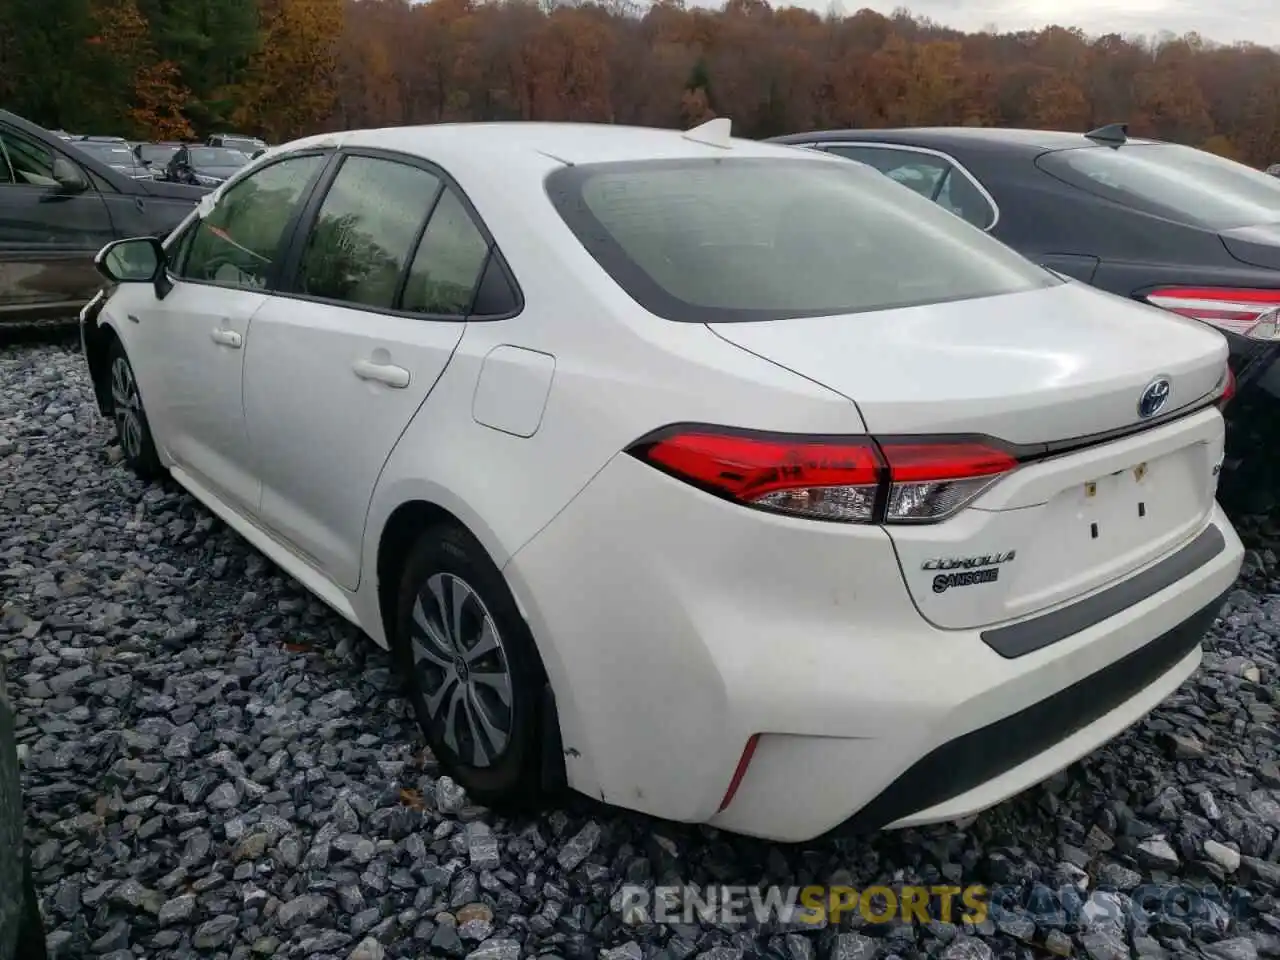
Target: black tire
31, 940
133, 430
444, 556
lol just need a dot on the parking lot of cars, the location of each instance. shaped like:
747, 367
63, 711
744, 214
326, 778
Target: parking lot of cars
61, 200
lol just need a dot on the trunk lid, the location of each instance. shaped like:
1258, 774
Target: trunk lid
1034, 369
1258, 246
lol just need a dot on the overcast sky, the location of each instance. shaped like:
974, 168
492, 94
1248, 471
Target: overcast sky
1225, 21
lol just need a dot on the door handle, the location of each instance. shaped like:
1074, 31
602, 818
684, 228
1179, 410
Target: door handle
387, 373
228, 338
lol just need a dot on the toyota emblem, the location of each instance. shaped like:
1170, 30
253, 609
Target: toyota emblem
1154, 396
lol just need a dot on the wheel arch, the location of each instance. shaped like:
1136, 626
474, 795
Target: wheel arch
98, 337
397, 534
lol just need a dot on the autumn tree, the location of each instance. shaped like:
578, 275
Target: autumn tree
210, 44
149, 95
288, 87
282, 68
42, 75
1056, 102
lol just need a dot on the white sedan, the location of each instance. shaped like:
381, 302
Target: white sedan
683, 469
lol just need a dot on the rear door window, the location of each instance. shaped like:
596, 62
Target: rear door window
757, 238
365, 232
929, 175
1171, 181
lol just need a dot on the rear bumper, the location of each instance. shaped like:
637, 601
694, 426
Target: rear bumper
675, 627
986, 765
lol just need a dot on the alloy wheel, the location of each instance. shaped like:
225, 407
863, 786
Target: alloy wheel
127, 406
462, 670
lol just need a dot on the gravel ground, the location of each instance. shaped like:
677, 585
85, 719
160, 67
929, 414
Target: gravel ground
218, 766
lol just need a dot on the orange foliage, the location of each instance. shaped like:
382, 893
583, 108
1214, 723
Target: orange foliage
158, 105
290, 83
771, 70
158, 92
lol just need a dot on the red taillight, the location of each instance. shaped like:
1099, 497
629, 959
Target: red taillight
831, 480
1247, 313
1228, 390
849, 479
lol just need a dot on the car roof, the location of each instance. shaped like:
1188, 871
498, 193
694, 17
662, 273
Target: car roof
1031, 141
535, 141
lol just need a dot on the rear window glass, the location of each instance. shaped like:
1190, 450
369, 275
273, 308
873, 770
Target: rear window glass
217, 157
1172, 181
713, 240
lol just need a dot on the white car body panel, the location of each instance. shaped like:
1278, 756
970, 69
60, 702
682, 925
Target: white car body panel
1044, 513
302, 389
1057, 363
675, 625
194, 392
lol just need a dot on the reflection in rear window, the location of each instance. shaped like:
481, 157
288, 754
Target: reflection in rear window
1171, 181
754, 238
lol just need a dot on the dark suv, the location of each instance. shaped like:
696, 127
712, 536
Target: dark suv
58, 207
21, 929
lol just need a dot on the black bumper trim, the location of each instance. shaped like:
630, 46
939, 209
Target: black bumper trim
1019, 639
984, 754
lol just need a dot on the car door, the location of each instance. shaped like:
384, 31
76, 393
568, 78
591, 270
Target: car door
49, 232
384, 278
194, 339
931, 174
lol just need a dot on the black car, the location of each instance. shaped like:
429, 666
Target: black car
114, 153
205, 166
59, 206
1274, 170
156, 156
21, 929
1177, 227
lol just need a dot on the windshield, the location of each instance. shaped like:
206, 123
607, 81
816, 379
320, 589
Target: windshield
217, 157
113, 154
762, 238
156, 153
110, 152
1171, 181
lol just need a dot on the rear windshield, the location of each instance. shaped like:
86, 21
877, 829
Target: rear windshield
1171, 181
714, 240
156, 152
217, 157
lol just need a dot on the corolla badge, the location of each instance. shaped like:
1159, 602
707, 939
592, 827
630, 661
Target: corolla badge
1154, 396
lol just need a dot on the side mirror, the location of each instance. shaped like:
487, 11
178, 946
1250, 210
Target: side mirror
70, 177
136, 260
